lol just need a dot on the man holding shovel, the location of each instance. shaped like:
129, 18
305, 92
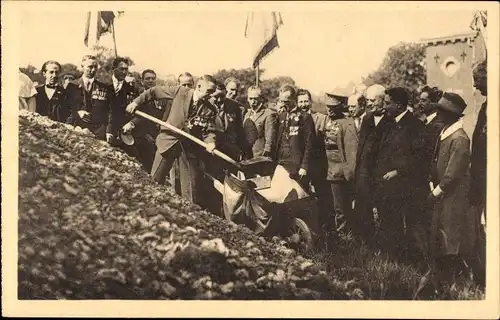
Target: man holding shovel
192, 113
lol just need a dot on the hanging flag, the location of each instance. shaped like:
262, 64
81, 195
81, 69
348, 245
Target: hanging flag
99, 23
261, 29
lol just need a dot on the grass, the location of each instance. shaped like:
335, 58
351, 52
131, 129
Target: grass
375, 277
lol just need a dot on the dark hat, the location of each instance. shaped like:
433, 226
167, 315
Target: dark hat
452, 102
335, 99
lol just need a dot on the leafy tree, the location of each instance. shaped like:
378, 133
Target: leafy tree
402, 66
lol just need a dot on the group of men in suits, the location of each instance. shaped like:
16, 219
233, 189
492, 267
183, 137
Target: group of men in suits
414, 177
371, 160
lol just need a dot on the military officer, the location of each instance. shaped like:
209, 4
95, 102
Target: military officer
336, 105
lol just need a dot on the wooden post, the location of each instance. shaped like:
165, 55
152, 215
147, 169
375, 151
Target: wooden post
114, 39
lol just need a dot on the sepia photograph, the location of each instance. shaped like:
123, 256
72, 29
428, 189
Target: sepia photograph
213, 151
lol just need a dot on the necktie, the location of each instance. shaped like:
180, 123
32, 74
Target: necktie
88, 86
118, 87
51, 86
426, 121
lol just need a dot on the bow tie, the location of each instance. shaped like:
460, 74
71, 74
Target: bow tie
51, 86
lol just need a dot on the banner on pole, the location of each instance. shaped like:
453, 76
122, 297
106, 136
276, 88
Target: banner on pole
261, 29
98, 23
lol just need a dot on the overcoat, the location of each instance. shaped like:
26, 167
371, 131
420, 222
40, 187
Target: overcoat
453, 225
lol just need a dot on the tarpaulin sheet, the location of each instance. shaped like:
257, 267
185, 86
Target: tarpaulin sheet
243, 204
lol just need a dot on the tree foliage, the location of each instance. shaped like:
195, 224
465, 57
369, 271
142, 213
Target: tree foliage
402, 66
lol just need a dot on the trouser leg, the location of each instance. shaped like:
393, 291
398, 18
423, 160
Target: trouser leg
392, 237
189, 176
163, 163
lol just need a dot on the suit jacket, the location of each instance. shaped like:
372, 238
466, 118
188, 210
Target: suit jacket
400, 150
347, 141
156, 108
478, 160
295, 140
260, 129
57, 107
368, 144
119, 102
230, 135
97, 102
319, 161
180, 115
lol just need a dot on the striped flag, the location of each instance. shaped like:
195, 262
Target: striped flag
99, 23
261, 28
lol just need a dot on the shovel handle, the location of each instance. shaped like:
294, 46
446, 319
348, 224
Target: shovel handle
188, 136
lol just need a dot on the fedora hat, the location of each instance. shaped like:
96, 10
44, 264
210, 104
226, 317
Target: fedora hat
452, 102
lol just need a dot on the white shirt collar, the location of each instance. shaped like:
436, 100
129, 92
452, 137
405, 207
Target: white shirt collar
87, 80
431, 117
50, 92
451, 129
116, 82
377, 119
411, 109
361, 117
398, 118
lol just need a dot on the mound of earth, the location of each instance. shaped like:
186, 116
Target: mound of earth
93, 225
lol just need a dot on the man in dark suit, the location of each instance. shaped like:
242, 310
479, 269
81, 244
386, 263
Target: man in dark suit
347, 141
230, 140
477, 194
51, 100
370, 133
145, 131
400, 183
231, 137
295, 137
191, 112
124, 93
91, 102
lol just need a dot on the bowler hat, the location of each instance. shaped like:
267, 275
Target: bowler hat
452, 102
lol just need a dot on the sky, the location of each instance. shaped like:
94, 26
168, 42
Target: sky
320, 49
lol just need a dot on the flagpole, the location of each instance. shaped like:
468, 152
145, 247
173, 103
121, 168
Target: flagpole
257, 75
114, 39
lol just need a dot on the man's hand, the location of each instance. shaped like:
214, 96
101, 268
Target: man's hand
210, 147
131, 107
391, 174
109, 137
128, 127
84, 115
302, 172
